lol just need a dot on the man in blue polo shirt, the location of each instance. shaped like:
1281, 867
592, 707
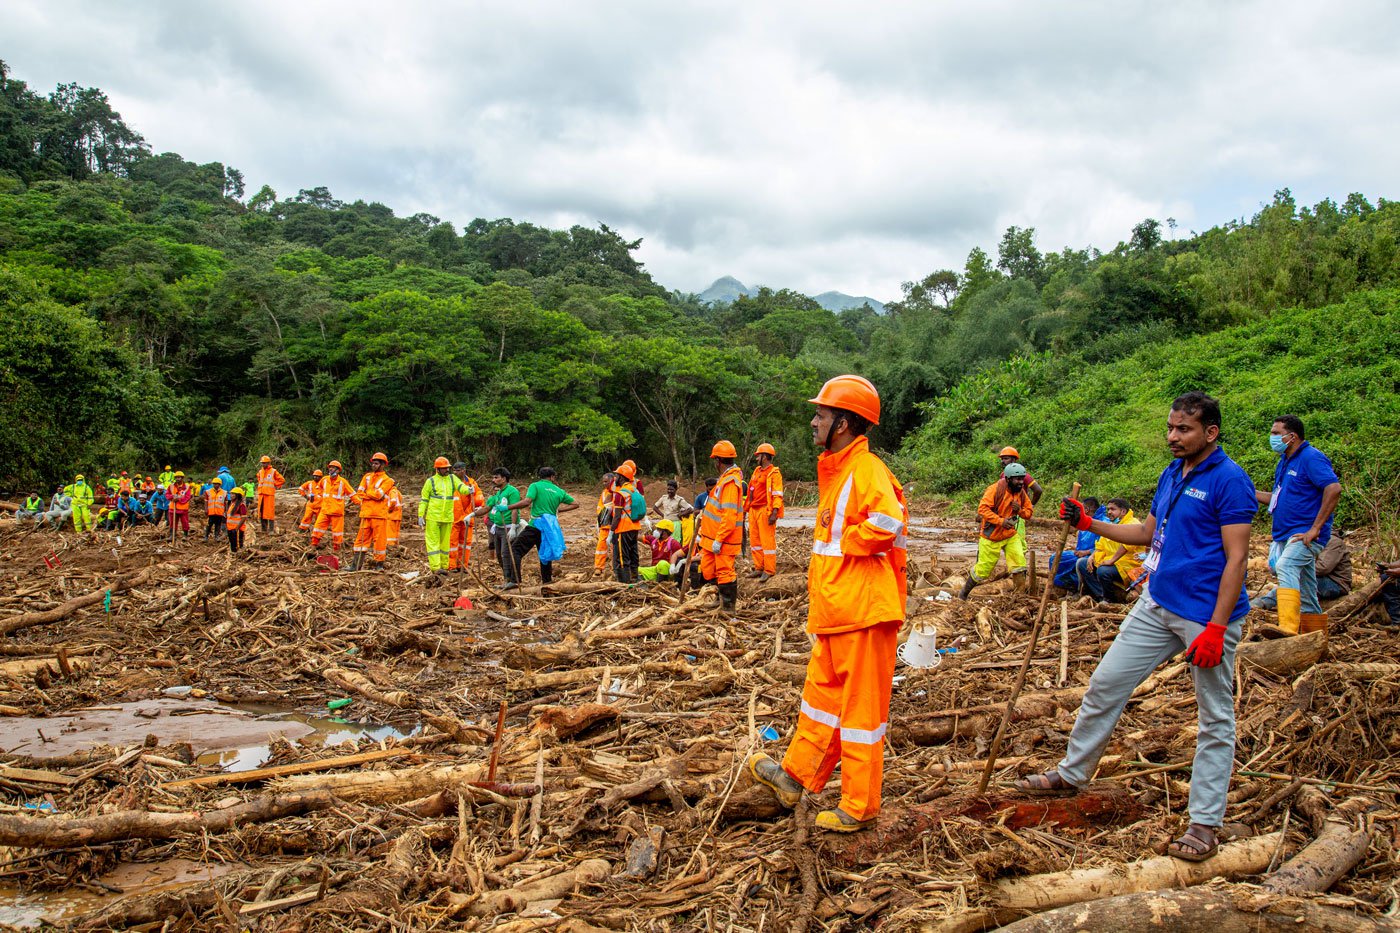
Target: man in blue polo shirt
1198, 529
1301, 503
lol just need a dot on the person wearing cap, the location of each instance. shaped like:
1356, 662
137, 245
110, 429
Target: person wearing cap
721, 531
856, 584
311, 492
544, 500
334, 493
437, 512
765, 507
496, 508
180, 495
236, 518
604, 515
141, 513
268, 482
468, 500
215, 503
624, 526
667, 555
167, 477
160, 504
124, 483
33, 505
149, 486
372, 536
1197, 530
1301, 503
1004, 505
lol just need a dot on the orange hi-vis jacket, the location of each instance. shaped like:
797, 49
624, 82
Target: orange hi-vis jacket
395, 503
857, 575
467, 501
334, 493
997, 505
311, 492
373, 495
766, 489
269, 481
214, 501
236, 514
723, 510
622, 506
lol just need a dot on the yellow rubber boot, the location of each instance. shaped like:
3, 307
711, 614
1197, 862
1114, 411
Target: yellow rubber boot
1290, 608
1312, 622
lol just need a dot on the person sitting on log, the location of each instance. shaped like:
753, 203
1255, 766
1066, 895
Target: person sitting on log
1198, 530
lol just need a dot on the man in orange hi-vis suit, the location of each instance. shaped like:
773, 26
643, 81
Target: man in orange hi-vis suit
720, 531
268, 482
311, 492
855, 585
600, 553
373, 496
467, 501
335, 492
765, 507
394, 518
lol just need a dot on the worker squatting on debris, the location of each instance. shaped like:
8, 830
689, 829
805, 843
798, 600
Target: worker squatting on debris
855, 584
764, 507
1004, 507
268, 482
1198, 531
1304, 495
721, 521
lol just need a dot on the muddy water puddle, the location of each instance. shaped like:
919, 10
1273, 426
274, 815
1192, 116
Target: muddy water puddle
327, 731
30, 910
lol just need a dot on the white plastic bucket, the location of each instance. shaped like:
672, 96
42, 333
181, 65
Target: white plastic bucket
921, 648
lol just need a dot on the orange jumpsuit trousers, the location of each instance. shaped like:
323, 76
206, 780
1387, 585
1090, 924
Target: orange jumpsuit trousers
459, 553
335, 524
600, 556
718, 567
763, 541
373, 536
845, 713
308, 516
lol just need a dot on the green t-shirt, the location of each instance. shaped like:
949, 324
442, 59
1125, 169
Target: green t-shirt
498, 504
545, 497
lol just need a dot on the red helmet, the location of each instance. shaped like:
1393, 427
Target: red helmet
852, 393
766, 449
724, 449
379, 455
265, 460
442, 462
1009, 452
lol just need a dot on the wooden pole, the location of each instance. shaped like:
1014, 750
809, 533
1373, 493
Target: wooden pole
1026, 661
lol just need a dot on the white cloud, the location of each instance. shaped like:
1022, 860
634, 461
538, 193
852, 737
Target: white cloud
812, 145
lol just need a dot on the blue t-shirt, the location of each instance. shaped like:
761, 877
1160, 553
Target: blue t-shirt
1190, 513
700, 501
1298, 484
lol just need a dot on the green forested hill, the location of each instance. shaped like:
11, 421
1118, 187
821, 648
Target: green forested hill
151, 311
1104, 424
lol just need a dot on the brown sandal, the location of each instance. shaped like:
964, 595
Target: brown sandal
1049, 784
1197, 844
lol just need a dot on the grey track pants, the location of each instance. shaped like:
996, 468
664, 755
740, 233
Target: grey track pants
1150, 635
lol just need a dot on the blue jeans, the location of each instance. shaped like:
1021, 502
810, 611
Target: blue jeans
1390, 595
1099, 581
1296, 566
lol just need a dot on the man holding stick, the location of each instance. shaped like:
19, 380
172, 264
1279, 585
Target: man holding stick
1198, 530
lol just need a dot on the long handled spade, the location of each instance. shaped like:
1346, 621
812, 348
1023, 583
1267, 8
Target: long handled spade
1026, 661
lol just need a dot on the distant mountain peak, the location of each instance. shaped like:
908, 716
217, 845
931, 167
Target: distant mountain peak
727, 289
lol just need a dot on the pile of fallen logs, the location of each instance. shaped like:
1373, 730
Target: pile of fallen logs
570, 757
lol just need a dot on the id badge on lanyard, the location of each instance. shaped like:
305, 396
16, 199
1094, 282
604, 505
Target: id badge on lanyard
1159, 536
1273, 500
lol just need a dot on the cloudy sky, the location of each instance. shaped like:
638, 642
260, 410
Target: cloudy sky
810, 145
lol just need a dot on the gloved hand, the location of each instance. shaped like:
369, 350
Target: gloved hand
1072, 511
422, 522
716, 547
1208, 647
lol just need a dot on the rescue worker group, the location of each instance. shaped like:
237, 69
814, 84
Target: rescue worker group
1182, 567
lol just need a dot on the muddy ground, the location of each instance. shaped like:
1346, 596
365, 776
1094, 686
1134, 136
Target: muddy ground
618, 799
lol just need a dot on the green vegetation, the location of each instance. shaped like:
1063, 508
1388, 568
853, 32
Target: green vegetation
1103, 424
155, 312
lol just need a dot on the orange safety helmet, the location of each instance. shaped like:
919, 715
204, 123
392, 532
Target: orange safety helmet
627, 469
265, 459
442, 462
380, 455
1009, 452
336, 464
315, 473
852, 393
724, 449
766, 449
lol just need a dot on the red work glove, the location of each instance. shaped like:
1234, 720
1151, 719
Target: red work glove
1072, 511
1206, 650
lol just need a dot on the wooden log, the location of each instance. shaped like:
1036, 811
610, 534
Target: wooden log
1195, 909
512, 900
549, 679
565, 721
1340, 845
305, 767
1044, 892
58, 832
358, 683
1283, 656
1356, 600
64, 610
898, 828
384, 786
28, 667
943, 727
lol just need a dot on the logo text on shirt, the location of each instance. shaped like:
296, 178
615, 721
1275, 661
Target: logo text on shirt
1196, 494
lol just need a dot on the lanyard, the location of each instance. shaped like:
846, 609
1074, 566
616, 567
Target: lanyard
1185, 484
